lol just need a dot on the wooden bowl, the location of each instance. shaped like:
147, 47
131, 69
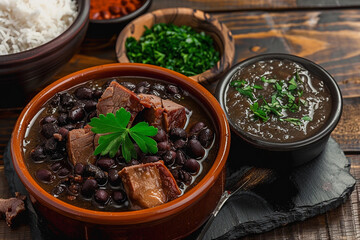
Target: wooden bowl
171, 220
196, 19
25, 73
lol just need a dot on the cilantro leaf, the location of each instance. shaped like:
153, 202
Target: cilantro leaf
117, 134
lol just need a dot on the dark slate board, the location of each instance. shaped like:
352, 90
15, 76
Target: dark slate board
294, 195
305, 191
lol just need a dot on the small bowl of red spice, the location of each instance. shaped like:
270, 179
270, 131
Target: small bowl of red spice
109, 17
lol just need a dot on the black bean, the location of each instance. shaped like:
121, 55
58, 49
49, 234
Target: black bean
140, 154
205, 137
158, 87
155, 93
192, 166
144, 83
177, 96
197, 127
180, 143
44, 175
84, 93
119, 196
175, 173
90, 105
74, 188
80, 124
57, 156
97, 173
62, 119
114, 178
133, 162
129, 85
79, 168
70, 127
169, 157
37, 154
149, 159
180, 157
101, 196
76, 114
142, 89
89, 187
160, 136
63, 172
56, 166
48, 119
50, 145
185, 177
163, 146
58, 190
67, 100
48, 129
172, 89
91, 115
97, 93
177, 133
105, 163
55, 100
195, 148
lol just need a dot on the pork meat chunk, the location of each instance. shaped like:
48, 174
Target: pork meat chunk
174, 115
80, 146
153, 112
149, 185
115, 97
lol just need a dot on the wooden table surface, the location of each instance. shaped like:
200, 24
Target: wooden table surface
324, 31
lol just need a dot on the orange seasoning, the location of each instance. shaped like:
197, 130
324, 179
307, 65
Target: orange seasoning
108, 9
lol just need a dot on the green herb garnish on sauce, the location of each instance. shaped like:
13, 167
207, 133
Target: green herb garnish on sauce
117, 135
286, 96
177, 48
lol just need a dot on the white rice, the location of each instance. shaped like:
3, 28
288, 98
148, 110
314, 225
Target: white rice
26, 24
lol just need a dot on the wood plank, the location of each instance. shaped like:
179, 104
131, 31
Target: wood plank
235, 5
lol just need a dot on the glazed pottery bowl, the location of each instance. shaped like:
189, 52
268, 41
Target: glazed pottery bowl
106, 28
25, 73
284, 153
198, 20
171, 220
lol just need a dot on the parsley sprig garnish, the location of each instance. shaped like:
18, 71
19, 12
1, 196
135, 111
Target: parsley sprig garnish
117, 134
287, 95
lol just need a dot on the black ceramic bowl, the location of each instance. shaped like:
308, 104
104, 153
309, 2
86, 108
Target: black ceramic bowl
102, 29
278, 153
25, 73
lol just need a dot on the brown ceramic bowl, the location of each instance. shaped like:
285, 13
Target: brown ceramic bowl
171, 220
108, 27
23, 74
196, 19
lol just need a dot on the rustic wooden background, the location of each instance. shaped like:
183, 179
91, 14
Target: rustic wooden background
325, 31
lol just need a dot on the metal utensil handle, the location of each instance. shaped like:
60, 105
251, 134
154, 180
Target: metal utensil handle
224, 197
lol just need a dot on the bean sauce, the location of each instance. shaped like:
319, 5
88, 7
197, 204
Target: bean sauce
109, 9
300, 110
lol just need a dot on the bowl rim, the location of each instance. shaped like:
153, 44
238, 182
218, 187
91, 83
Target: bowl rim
129, 217
214, 73
330, 82
64, 38
125, 18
